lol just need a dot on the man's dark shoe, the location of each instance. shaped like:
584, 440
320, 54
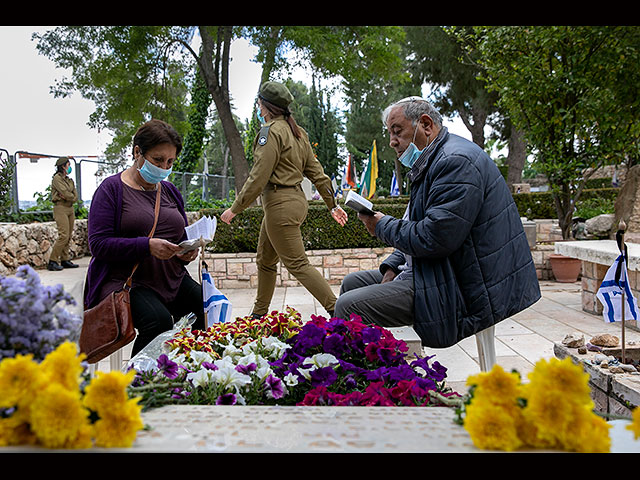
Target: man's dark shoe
53, 266
68, 264
256, 316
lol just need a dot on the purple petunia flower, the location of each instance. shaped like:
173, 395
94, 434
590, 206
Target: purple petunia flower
370, 335
226, 399
275, 387
246, 369
168, 367
335, 344
324, 377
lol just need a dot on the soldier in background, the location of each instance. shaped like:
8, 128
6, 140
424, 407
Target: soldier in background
64, 195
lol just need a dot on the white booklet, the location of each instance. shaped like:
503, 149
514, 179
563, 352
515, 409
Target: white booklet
199, 234
358, 203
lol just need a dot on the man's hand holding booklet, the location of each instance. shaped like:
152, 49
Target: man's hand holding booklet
358, 203
199, 234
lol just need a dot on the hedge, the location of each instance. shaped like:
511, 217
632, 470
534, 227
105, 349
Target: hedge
320, 231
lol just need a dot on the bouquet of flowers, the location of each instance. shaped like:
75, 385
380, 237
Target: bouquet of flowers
54, 405
33, 319
279, 360
553, 411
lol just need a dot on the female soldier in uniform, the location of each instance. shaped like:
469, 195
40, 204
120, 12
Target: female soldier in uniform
63, 196
282, 158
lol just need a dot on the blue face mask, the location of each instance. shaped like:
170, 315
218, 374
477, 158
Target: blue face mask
411, 154
260, 117
152, 174
69, 170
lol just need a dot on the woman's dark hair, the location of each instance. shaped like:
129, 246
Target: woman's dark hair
277, 111
154, 132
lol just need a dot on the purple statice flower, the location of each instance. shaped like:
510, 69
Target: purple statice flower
275, 387
33, 319
167, 367
226, 399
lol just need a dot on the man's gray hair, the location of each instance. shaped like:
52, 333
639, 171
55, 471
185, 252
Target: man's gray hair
414, 108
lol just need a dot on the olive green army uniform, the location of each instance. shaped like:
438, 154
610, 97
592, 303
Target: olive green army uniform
63, 195
280, 163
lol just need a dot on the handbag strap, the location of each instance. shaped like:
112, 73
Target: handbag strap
153, 229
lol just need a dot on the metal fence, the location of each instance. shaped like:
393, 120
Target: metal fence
195, 187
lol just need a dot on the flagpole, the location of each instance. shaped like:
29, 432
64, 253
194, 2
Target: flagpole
621, 229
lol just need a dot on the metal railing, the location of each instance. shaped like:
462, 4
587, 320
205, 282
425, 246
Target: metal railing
196, 186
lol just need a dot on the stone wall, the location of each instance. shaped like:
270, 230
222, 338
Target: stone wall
31, 244
238, 270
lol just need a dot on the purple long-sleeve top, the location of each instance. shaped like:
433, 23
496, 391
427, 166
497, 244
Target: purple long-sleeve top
110, 248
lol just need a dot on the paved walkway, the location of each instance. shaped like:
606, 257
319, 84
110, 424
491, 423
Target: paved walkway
520, 341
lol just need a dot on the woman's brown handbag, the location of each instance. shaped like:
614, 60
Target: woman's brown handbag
108, 326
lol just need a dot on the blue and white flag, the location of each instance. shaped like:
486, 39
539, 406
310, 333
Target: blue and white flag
610, 294
395, 190
217, 307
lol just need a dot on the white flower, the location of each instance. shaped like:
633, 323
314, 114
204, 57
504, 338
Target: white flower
200, 378
291, 380
274, 346
321, 360
227, 375
198, 357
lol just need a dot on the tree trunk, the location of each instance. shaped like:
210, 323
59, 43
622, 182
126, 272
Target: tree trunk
516, 157
475, 122
215, 69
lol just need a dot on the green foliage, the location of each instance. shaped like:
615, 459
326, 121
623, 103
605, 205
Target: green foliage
6, 179
194, 139
319, 230
539, 205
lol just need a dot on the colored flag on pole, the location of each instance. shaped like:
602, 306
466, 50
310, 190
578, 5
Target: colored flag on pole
217, 307
350, 174
395, 190
610, 293
334, 184
368, 185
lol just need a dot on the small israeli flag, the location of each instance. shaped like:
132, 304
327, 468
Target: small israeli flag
217, 307
610, 294
395, 190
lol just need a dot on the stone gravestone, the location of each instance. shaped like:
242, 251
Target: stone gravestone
627, 206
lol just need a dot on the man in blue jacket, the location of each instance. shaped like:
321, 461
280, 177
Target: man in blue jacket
462, 261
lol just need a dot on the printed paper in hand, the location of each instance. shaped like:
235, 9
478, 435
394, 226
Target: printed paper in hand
199, 234
358, 203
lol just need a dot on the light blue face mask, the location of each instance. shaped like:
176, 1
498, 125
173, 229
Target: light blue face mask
260, 117
69, 170
411, 154
152, 174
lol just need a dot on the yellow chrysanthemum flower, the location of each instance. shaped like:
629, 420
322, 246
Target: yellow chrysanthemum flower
15, 430
586, 433
58, 417
63, 366
108, 390
119, 426
634, 426
561, 375
20, 379
497, 385
491, 427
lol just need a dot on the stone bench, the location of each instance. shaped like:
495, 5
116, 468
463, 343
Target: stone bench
597, 256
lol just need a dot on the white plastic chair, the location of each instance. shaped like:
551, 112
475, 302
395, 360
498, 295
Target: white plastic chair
486, 348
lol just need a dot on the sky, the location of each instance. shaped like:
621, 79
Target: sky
32, 120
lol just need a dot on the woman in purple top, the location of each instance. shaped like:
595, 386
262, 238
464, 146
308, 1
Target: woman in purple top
120, 219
